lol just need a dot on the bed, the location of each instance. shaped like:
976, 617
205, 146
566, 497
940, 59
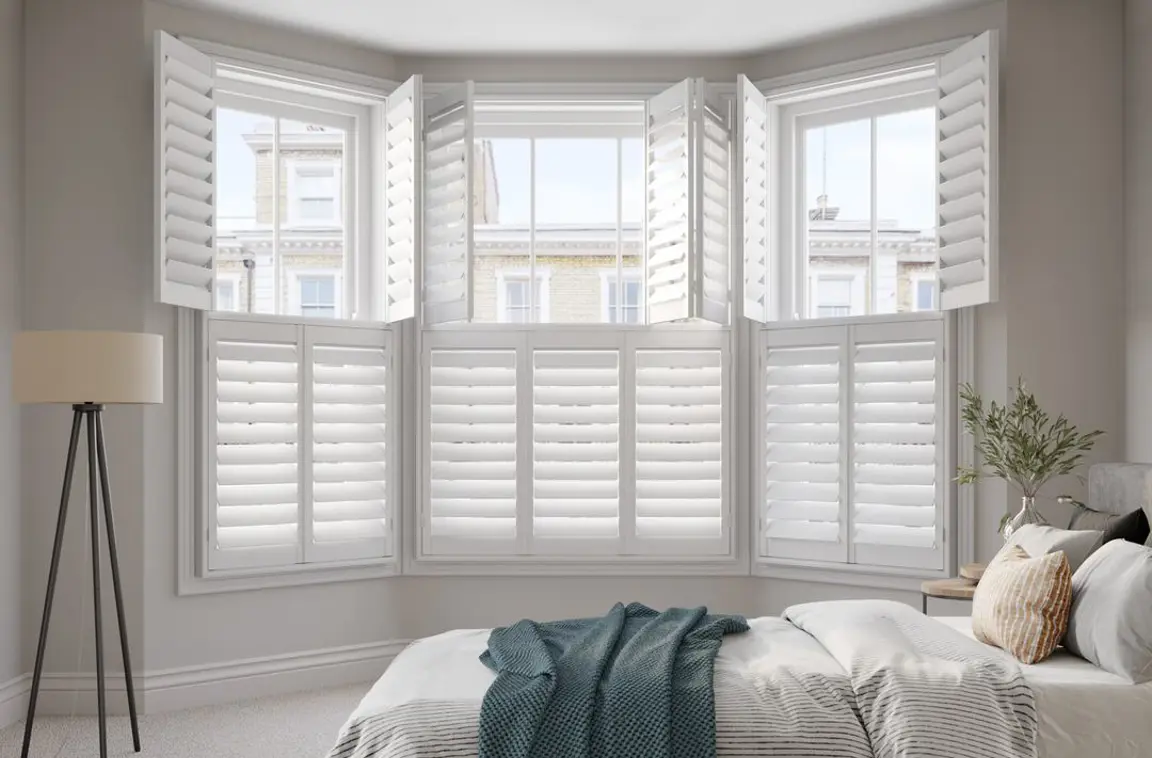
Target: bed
795, 687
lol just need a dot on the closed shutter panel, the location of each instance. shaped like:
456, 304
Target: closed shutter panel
185, 190
448, 156
576, 449
897, 476
680, 493
472, 460
254, 445
803, 507
714, 165
967, 151
349, 447
401, 184
754, 120
667, 180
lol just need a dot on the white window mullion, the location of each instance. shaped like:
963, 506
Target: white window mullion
277, 264
619, 231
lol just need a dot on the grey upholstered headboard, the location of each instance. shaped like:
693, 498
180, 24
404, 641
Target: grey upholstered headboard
1120, 487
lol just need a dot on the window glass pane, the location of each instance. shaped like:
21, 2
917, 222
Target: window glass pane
244, 225
906, 205
838, 199
318, 296
502, 200
925, 295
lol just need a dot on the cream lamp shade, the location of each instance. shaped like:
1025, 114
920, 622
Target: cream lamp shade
88, 367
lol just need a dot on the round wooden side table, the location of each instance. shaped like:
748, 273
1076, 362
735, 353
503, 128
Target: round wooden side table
962, 587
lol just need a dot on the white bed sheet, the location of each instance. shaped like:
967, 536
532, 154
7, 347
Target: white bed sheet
1085, 712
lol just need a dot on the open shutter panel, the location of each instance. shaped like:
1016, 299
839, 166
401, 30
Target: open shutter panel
185, 183
447, 245
667, 177
804, 395
712, 186
401, 183
576, 449
898, 475
967, 157
754, 120
350, 518
472, 460
254, 445
679, 451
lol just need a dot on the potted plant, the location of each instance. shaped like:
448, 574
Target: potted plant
1022, 444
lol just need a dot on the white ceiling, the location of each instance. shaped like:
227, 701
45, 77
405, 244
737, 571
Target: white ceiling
575, 26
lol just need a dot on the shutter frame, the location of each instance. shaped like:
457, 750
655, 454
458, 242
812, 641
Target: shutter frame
447, 245
398, 188
756, 183
185, 160
967, 125
712, 189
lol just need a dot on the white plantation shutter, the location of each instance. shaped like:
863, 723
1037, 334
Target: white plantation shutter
803, 507
254, 445
967, 153
897, 436
399, 187
185, 123
712, 191
754, 120
348, 417
471, 461
680, 487
667, 181
447, 244
575, 449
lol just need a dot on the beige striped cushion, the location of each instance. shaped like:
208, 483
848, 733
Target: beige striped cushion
1021, 604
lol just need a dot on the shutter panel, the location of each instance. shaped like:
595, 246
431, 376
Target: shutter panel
897, 473
804, 444
472, 460
254, 444
754, 120
576, 449
967, 154
398, 214
185, 189
712, 186
667, 179
679, 451
350, 370
448, 200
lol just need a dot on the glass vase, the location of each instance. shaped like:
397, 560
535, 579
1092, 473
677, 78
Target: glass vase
1027, 515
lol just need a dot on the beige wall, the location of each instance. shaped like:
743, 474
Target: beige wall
1138, 225
11, 242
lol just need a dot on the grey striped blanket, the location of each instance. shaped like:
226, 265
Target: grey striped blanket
834, 680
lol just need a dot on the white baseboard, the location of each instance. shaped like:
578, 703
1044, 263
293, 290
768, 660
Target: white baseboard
208, 684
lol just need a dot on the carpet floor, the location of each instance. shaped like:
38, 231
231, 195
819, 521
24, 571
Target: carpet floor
290, 726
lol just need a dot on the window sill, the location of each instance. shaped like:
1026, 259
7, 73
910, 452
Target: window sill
232, 581
855, 576
592, 567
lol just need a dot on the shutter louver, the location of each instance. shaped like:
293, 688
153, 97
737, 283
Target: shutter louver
967, 154
679, 451
254, 444
803, 504
448, 212
897, 477
667, 177
185, 191
472, 477
402, 120
754, 120
713, 185
349, 422
576, 448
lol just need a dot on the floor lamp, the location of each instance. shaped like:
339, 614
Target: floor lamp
88, 370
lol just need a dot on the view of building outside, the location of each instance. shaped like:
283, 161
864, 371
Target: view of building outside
864, 256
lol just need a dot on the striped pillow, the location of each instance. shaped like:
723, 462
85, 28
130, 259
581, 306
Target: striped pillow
1022, 603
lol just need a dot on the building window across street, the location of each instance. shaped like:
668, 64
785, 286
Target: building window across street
317, 296
521, 304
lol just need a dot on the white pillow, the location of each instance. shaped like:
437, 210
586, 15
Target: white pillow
1076, 544
1111, 619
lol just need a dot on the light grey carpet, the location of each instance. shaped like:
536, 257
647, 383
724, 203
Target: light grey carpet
291, 726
